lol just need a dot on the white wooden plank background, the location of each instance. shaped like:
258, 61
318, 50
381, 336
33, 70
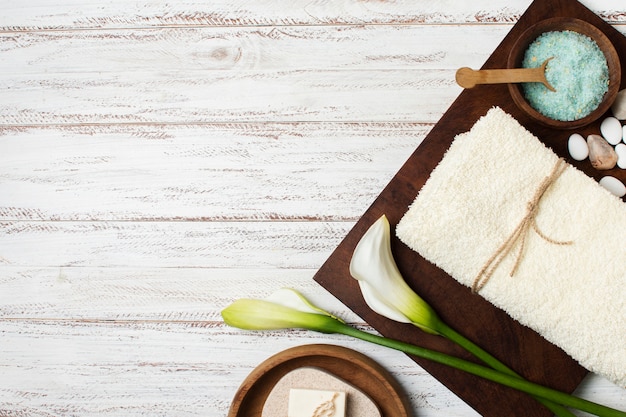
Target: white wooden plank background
159, 160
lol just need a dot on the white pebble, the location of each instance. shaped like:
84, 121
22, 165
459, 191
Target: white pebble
619, 105
620, 150
611, 130
624, 133
614, 185
577, 147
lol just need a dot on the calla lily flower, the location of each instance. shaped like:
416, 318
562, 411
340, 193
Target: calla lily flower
287, 309
386, 292
384, 289
284, 309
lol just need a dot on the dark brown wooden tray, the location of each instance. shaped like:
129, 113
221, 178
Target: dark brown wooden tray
521, 348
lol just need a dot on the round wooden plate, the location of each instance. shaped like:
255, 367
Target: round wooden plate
353, 367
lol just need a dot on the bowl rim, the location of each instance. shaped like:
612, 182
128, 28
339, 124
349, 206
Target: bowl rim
351, 366
561, 24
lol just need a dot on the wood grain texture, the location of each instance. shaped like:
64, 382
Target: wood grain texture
159, 160
202, 172
73, 14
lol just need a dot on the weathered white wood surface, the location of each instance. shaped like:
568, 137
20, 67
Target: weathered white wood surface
159, 160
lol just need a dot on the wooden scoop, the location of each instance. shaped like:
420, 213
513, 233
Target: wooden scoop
468, 78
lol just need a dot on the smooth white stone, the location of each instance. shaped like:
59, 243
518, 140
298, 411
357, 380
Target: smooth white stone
614, 185
577, 147
611, 130
619, 105
620, 150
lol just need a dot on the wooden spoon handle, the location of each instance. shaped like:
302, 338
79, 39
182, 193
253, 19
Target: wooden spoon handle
468, 78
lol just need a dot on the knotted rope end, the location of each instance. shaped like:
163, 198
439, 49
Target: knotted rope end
518, 236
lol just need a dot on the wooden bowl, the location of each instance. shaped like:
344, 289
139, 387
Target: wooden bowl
561, 24
349, 365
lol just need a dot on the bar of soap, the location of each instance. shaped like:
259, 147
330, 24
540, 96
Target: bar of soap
357, 403
314, 403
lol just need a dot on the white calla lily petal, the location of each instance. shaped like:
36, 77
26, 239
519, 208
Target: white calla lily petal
372, 262
284, 309
290, 298
375, 302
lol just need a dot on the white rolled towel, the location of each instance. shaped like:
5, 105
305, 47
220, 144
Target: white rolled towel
574, 294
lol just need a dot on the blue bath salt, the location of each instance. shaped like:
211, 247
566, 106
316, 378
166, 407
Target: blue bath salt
578, 71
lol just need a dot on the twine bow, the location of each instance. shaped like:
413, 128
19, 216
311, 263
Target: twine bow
326, 409
520, 232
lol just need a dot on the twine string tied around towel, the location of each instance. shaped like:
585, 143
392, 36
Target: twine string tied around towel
519, 234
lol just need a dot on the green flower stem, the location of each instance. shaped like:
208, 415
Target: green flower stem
481, 371
487, 358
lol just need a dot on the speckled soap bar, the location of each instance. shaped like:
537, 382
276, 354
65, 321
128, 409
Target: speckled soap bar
358, 404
